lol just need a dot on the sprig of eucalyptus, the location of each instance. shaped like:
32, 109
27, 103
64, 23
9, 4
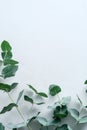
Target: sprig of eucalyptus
60, 109
9, 68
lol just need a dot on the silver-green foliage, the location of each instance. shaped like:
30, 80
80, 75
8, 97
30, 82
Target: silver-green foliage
60, 109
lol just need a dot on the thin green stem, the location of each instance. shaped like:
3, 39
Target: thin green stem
20, 113
59, 100
17, 108
10, 97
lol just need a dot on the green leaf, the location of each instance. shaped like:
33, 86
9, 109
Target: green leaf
55, 122
6, 55
66, 100
5, 87
2, 127
32, 118
40, 103
9, 71
83, 119
42, 121
8, 108
42, 94
33, 88
19, 97
14, 85
26, 98
54, 89
63, 127
74, 113
5, 46
60, 112
85, 82
10, 62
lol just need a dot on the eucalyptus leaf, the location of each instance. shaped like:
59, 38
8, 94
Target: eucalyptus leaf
31, 87
9, 71
10, 62
66, 100
85, 82
43, 121
8, 108
63, 127
54, 89
33, 118
6, 55
55, 122
83, 119
74, 113
40, 103
5, 87
19, 97
5, 46
2, 127
26, 98
14, 85
42, 94
60, 112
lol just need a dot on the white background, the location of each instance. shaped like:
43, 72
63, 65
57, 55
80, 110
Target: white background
49, 39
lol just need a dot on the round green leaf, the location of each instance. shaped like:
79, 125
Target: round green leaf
54, 89
9, 71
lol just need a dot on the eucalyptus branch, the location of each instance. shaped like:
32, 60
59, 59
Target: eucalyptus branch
59, 100
17, 108
60, 109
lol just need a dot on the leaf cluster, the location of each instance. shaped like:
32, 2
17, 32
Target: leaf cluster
60, 109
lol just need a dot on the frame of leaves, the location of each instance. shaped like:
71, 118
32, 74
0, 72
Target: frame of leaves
60, 109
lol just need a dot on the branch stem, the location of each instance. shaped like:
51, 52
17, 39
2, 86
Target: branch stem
21, 115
